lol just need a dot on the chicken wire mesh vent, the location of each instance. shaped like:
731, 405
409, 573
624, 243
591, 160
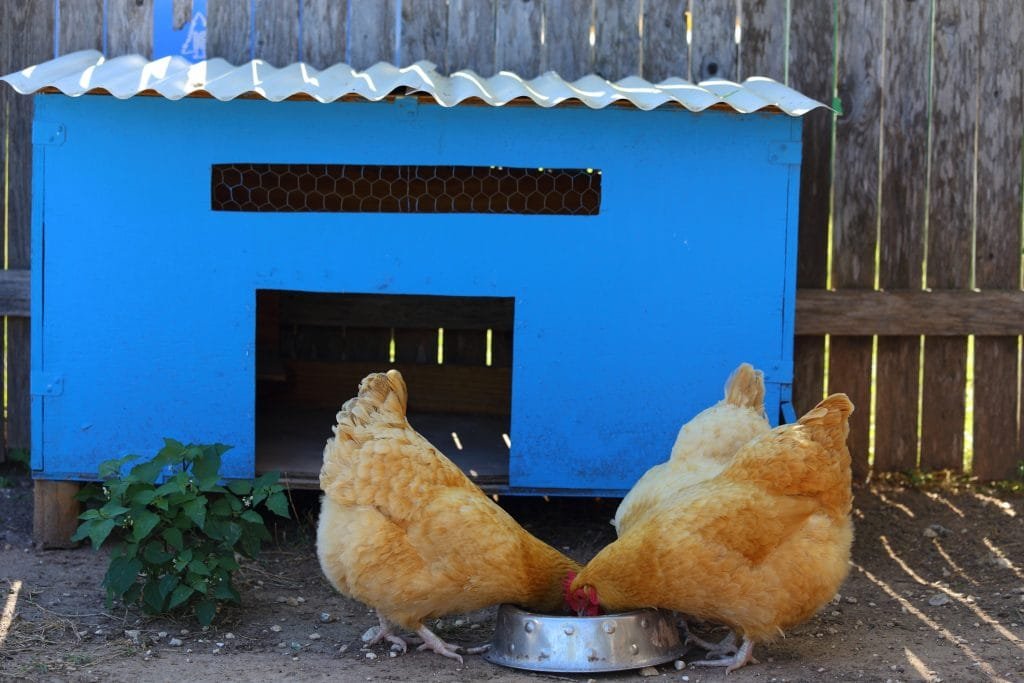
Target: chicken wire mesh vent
344, 188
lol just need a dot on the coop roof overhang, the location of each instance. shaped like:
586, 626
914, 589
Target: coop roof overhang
89, 72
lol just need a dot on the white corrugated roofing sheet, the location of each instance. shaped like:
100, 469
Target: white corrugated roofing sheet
173, 77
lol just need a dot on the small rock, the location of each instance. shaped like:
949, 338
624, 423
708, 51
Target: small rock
460, 622
679, 664
821, 669
230, 636
474, 626
300, 600
183, 632
98, 632
395, 647
930, 533
162, 634
282, 644
649, 671
314, 636
371, 655
850, 599
280, 598
295, 645
343, 648
275, 628
219, 644
133, 635
392, 654
292, 602
326, 618
175, 642
871, 604
938, 600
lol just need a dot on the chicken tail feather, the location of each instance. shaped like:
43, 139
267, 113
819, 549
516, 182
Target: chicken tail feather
827, 421
745, 387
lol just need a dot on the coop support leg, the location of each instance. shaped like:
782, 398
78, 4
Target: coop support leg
55, 515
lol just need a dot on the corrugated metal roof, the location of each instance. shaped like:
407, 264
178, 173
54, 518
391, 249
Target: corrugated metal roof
173, 77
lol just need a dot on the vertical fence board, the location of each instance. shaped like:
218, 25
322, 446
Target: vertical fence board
81, 25
997, 264
471, 36
276, 23
810, 49
465, 347
617, 39
904, 170
713, 51
129, 27
762, 49
26, 37
855, 208
227, 30
665, 52
416, 345
371, 32
567, 48
424, 31
949, 223
517, 44
323, 32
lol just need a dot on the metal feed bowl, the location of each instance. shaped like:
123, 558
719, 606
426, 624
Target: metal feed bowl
611, 642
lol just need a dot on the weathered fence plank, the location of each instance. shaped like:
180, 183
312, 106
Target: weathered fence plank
518, 37
81, 26
228, 30
276, 24
810, 47
424, 31
567, 30
762, 49
181, 14
26, 37
471, 27
855, 209
617, 39
997, 446
666, 53
901, 259
129, 27
323, 32
371, 33
950, 223
713, 47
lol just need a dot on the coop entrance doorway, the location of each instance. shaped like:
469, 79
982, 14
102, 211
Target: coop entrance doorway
455, 354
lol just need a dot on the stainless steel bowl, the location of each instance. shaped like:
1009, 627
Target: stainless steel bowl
610, 642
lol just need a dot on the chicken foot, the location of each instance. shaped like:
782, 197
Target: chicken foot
725, 647
432, 642
743, 656
385, 631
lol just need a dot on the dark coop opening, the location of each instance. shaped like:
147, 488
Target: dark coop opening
350, 188
455, 354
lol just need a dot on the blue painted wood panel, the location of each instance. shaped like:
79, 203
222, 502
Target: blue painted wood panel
626, 323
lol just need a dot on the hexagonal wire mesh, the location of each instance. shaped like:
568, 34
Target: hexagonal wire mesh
405, 189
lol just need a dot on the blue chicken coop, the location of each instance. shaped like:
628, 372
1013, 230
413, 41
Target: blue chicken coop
221, 253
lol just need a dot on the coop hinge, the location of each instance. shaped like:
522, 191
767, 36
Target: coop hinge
784, 153
48, 133
47, 385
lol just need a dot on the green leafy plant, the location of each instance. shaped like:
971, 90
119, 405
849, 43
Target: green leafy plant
177, 540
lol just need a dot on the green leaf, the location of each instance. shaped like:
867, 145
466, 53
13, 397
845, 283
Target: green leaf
152, 598
148, 471
168, 582
112, 509
278, 504
173, 538
196, 510
142, 497
206, 610
228, 562
220, 507
143, 522
252, 517
179, 595
122, 574
182, 560
82, 532
206, 468
175, 484
90, 492
225, 591
240, 487
172, 450
99, 530
132, 595
90, 514
199, 567
112, 468
154, 554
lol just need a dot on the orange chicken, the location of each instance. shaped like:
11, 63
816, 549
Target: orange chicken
703, 446
760, 547
403, 530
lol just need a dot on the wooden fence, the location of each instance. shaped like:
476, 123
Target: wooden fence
911, 212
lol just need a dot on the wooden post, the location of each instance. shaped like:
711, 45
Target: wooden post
55, 515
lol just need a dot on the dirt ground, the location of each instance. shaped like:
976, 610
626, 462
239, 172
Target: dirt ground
935, 592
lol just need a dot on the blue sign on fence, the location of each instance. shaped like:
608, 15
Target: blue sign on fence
187, 40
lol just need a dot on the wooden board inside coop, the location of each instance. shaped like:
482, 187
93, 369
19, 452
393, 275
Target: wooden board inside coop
455, 354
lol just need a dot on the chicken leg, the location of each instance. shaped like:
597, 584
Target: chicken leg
432, 642
385, 631
726, 646
743, 655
